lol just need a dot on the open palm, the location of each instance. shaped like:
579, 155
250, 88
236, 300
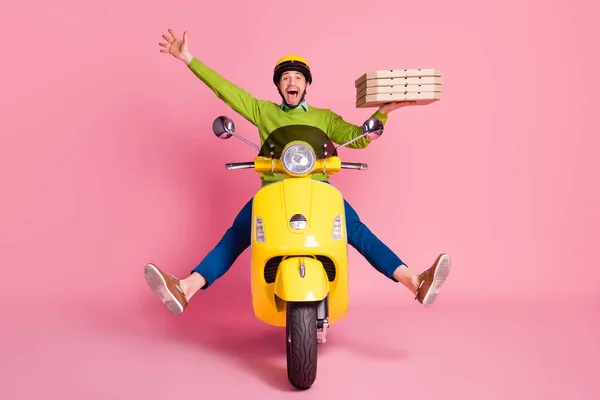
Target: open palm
389, 107
175, 46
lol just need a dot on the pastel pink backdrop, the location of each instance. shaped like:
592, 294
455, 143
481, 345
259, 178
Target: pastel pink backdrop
108, 162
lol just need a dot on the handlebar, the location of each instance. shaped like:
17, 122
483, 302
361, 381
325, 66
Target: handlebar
250, 164
351, 165
239, 165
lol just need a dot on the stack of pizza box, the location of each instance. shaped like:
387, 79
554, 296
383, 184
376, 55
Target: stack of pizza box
414, 86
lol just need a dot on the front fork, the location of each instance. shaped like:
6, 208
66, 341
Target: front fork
322, 323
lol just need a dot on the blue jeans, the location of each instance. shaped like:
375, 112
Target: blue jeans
237, 239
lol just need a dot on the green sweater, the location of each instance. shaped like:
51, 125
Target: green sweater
268, 116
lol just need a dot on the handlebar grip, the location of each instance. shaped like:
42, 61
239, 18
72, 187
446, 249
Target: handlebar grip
351, 165
239, 165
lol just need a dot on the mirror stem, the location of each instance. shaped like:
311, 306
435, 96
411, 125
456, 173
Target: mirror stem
351, 141
244, 140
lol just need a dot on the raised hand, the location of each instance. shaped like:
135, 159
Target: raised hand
176, 47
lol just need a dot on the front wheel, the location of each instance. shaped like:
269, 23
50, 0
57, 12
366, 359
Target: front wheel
301, 344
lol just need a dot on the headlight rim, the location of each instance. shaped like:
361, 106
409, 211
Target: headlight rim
313, 159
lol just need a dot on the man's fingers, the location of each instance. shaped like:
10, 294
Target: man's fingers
163, 44
173, 34
185, 37
169, 40
164, 50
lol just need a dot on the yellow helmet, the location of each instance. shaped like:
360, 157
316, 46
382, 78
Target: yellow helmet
291, 63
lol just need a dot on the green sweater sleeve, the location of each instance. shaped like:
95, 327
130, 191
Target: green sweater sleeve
235, 97
342, 131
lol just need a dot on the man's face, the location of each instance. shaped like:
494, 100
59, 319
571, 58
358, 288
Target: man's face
292, 86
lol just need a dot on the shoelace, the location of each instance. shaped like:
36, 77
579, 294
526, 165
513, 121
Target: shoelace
177, 284
419, 288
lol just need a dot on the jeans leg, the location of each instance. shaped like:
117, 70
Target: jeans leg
235, 240
380, 256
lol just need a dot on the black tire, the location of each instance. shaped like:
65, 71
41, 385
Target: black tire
301, 344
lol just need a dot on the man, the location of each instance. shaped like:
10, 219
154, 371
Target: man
292, 76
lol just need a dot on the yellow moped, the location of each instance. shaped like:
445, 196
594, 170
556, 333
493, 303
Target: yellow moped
299, 249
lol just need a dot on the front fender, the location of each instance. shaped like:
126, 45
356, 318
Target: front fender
301, 279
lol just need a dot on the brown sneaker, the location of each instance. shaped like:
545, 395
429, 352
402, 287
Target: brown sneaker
432, 279
166, 288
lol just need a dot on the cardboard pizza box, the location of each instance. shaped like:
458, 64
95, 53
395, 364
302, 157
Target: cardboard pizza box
426, 80
414, 98
398, 73
398, 89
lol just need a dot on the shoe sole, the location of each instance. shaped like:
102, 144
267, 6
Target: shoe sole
158, 285
439, 277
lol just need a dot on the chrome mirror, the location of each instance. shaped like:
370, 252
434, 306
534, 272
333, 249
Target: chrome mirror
223, 127
373, 128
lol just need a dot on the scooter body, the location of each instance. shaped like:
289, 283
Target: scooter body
299, 245
299, 249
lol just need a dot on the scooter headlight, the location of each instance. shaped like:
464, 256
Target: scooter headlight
298, 159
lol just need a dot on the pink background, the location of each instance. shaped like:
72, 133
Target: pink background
108, 162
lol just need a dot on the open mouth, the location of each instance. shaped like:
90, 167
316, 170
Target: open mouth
292, 95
